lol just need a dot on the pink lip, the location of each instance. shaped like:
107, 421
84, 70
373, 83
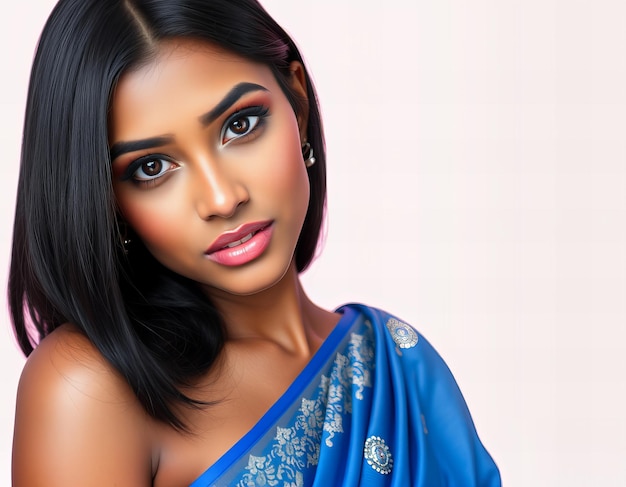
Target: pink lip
246, 251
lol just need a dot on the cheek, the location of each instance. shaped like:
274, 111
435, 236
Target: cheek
157, 225
288, 184
291, 174
288, 177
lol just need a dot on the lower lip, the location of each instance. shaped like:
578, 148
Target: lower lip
246, 252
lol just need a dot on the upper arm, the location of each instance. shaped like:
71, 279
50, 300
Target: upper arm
77, 422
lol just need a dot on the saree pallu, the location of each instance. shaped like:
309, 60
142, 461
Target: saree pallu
375, 406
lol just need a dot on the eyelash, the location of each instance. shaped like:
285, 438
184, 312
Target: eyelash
259, 112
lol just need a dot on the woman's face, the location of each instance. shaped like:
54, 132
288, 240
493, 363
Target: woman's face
207, 166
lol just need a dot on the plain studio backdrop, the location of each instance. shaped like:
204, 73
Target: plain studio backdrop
477, 189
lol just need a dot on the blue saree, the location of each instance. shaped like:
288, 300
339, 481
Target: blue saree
375, 406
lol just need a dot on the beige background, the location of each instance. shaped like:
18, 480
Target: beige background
477, 188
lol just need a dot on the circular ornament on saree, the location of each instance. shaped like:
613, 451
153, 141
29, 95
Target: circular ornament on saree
378, 455
402, 334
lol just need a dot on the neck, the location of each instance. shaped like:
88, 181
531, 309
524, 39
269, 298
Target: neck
282, 314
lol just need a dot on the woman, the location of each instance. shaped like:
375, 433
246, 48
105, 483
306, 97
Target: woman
172, 189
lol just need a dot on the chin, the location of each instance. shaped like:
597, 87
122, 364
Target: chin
257, 281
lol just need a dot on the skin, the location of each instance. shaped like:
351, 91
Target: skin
92, 431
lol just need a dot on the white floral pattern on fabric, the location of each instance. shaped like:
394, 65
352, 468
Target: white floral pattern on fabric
297, 448
259, 473
350, 375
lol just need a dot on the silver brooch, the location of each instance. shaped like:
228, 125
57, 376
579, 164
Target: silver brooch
378, 455
402, 334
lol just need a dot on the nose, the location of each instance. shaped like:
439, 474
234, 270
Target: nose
218, 192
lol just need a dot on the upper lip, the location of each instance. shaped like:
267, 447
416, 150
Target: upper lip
238, 233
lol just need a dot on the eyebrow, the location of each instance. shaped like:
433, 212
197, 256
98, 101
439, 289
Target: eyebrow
120, 148
231, 97
225, 103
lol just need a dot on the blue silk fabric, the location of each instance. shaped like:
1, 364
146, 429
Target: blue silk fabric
376, 406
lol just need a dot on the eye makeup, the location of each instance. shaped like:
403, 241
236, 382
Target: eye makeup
253, 118
244, 124
130, 173
120, 148
229, 100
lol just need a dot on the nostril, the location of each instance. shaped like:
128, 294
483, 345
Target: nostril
223, 203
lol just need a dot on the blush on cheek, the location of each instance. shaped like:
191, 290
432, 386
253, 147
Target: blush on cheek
152, 231
154, 226
290, 169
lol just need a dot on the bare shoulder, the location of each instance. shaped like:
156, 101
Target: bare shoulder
77, 421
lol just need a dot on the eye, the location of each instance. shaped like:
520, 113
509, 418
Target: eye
149, 168
243, 123
152, 169
240, 127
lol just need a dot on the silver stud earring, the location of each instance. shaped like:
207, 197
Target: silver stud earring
124, 238
308, 154
126, 244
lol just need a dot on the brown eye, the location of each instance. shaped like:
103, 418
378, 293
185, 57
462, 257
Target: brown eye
244, 123
152, 168
240, 126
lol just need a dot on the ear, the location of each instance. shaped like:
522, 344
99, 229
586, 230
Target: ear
297, 81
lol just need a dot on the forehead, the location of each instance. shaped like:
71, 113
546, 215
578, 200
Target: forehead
184, 77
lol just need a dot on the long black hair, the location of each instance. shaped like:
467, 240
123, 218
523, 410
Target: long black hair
68, 265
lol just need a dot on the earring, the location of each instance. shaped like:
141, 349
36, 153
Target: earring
124, 238
307, 154
126, 244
